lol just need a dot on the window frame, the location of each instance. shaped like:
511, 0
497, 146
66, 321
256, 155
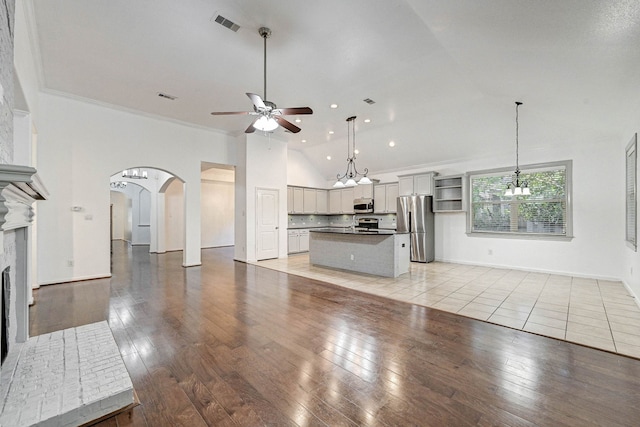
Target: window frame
631, 190
567, 164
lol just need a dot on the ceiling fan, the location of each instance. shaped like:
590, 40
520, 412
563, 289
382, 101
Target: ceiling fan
269, 116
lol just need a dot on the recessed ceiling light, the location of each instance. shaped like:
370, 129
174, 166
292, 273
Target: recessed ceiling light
367, 120
328, 157
392, 144
330, 132
334, 105
356, 151
298, 120
304, 140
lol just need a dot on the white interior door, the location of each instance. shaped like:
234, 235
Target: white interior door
267, 223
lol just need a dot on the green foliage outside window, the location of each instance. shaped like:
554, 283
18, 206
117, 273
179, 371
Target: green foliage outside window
542, 212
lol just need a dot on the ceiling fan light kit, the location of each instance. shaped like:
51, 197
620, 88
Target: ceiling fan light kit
270, 116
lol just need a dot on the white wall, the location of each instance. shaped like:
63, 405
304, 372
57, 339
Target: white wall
174, 216
301, 172
217, 189
119, 217
263, 162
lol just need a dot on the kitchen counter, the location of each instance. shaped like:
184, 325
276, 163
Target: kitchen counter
350, 230
382, 252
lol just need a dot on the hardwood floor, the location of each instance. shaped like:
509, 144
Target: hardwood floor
233, 344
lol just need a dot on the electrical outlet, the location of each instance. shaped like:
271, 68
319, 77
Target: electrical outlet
490, 252
353, 257
70, 263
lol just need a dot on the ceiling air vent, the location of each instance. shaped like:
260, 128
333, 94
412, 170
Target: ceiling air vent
227, 23
167, 96
369, 101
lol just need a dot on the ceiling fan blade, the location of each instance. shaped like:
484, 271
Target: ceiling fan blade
226, 113
257, 101
293, 111
287, 125
251, 129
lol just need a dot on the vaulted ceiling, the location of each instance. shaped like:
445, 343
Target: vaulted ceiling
444, 75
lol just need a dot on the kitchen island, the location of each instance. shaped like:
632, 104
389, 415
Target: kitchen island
378, 252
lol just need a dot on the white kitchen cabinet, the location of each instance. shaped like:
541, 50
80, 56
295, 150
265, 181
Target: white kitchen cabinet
449, 194
309, 201
347, 200
335, 201
363, 191
392, 198
298, 200
416, 184
321, 201
303, 244
341, 201
298, 241
380, 198
290, 199
386, 196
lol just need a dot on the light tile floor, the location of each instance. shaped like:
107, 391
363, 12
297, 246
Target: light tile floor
596, 313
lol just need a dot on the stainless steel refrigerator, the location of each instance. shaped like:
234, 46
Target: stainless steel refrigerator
415, 216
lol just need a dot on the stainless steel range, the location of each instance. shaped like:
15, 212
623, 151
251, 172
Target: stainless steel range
368, 224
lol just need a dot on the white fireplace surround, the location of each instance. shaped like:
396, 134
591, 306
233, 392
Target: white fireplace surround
20, 186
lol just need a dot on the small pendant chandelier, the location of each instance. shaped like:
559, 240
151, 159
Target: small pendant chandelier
350, 176
136, 173
517, 187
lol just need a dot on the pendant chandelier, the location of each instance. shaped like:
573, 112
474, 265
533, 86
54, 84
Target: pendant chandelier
134, 174
517, 187
350, 176
118, 184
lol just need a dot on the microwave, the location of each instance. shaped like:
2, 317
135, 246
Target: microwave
363, 205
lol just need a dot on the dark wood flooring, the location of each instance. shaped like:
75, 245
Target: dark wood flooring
232, 344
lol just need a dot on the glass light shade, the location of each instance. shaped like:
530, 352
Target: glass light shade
517, 191
134, 173
526, 191
144, 174
350, 183
125, 173
364, 180
508, 192
265, 124
338, 184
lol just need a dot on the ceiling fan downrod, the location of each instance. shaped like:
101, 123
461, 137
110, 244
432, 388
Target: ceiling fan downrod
265, 33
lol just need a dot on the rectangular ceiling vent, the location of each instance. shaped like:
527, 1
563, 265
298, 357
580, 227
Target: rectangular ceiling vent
227, 23
167, 96
369, 101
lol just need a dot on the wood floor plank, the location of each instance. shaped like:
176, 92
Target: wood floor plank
228, 343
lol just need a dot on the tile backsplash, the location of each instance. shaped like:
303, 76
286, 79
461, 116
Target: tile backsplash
309, 221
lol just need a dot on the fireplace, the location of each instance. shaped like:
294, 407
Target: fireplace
20, 187
6, 299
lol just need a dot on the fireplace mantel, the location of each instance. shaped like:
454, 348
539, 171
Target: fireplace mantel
20, 186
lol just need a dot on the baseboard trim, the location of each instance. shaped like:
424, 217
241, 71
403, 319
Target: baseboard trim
76, 279
533, 270
633, 294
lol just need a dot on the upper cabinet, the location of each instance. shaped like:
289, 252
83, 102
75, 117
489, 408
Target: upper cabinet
341, 201
416, 184
301, 200
363, 191
449, 194
385, 198
310, 200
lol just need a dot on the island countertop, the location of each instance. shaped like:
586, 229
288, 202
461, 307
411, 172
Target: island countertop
356, 231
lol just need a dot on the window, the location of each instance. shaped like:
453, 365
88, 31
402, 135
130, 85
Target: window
544, 213
631, 205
